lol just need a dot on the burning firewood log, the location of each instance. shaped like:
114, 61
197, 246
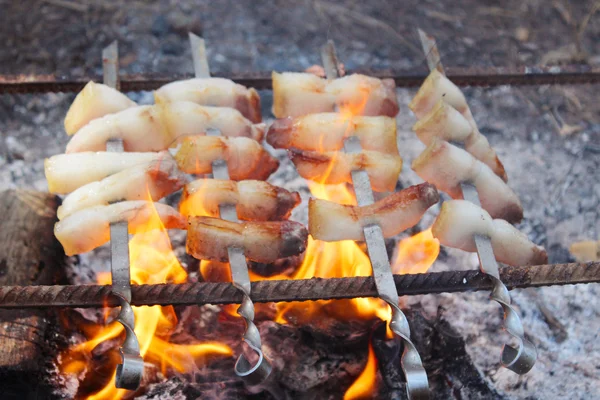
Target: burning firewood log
447, 166
327, 132
296, 94
214, 92
336, 167
67, 172
94, 101
157, 127
87, 229
433, 105
395, 213
153, 180
246, 158
254, 200
208, 239
460, 220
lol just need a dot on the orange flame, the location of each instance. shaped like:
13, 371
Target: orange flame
152, 261
414, 255
364, 386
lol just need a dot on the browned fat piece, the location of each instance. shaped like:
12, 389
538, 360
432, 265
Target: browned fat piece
460, 220
447, 166
254, 200
336, 167
160, 126
395, 213
217, 92
327, 132
89, 228
208, 239
296, 94
246, 158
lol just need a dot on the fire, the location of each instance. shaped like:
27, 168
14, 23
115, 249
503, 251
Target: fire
414, 255
364, 386
152, 261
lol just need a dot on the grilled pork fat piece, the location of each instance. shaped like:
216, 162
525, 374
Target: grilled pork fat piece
208, 239
254, 200
459, 220
67, 172
327, 131
336, 167
433, 105
155, 128
446, 166
94, 101
87, 229
218, 92
246, 158
296, 94
395, 213
155, 179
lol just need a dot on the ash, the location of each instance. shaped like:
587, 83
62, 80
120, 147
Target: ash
547, 137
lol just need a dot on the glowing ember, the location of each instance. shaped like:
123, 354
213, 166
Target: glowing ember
152, 261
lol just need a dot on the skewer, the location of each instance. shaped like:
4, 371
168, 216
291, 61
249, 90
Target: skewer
131, 369
417, 385
252, 373
519, 359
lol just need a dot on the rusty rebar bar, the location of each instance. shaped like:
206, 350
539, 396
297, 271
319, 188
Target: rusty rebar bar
524, 75
296, 290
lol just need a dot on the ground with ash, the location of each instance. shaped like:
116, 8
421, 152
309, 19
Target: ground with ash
548, 138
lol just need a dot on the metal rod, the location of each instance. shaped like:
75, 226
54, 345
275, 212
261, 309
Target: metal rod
256, 372
131, 369
482, 76
95, 296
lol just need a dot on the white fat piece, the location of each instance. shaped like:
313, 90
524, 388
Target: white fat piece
447, 166
67, 172
94, 101
158, 127
150, 181
460, 220
87, 229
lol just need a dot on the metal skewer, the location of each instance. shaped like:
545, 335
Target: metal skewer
131, 369
417, 385
257, 372
519, 359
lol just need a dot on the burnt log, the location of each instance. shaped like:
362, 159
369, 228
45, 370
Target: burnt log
29, 255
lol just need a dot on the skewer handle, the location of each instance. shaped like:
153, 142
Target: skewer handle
417, 385
252, 373
130, 371
522, 358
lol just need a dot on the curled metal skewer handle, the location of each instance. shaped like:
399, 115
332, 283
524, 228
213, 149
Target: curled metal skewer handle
130, 371
519, 359
253, 373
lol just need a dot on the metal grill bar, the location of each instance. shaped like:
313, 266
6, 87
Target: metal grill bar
298, 289
517, 76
